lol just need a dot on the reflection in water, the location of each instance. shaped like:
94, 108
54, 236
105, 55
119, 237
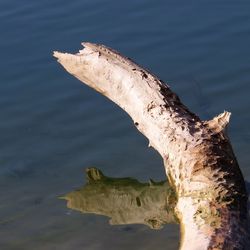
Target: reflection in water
124, 200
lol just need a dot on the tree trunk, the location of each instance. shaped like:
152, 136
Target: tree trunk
198, 157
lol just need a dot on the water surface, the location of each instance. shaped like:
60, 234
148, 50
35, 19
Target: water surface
52, 127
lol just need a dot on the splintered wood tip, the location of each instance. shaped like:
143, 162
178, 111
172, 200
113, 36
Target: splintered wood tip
56, 54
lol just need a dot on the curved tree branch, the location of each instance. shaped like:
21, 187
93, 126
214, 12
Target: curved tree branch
198, 157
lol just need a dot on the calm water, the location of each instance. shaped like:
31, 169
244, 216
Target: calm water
52, 127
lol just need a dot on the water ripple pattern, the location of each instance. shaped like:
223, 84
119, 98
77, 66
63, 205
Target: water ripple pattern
52, 127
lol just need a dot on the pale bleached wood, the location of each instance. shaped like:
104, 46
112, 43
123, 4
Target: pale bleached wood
198, 157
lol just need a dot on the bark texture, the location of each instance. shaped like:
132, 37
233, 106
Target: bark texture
198, 157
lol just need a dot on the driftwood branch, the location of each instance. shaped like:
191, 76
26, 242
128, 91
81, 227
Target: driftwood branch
198, 157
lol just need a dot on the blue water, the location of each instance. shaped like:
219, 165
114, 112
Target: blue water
52, 127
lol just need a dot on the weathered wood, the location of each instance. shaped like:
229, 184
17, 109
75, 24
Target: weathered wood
198, 157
